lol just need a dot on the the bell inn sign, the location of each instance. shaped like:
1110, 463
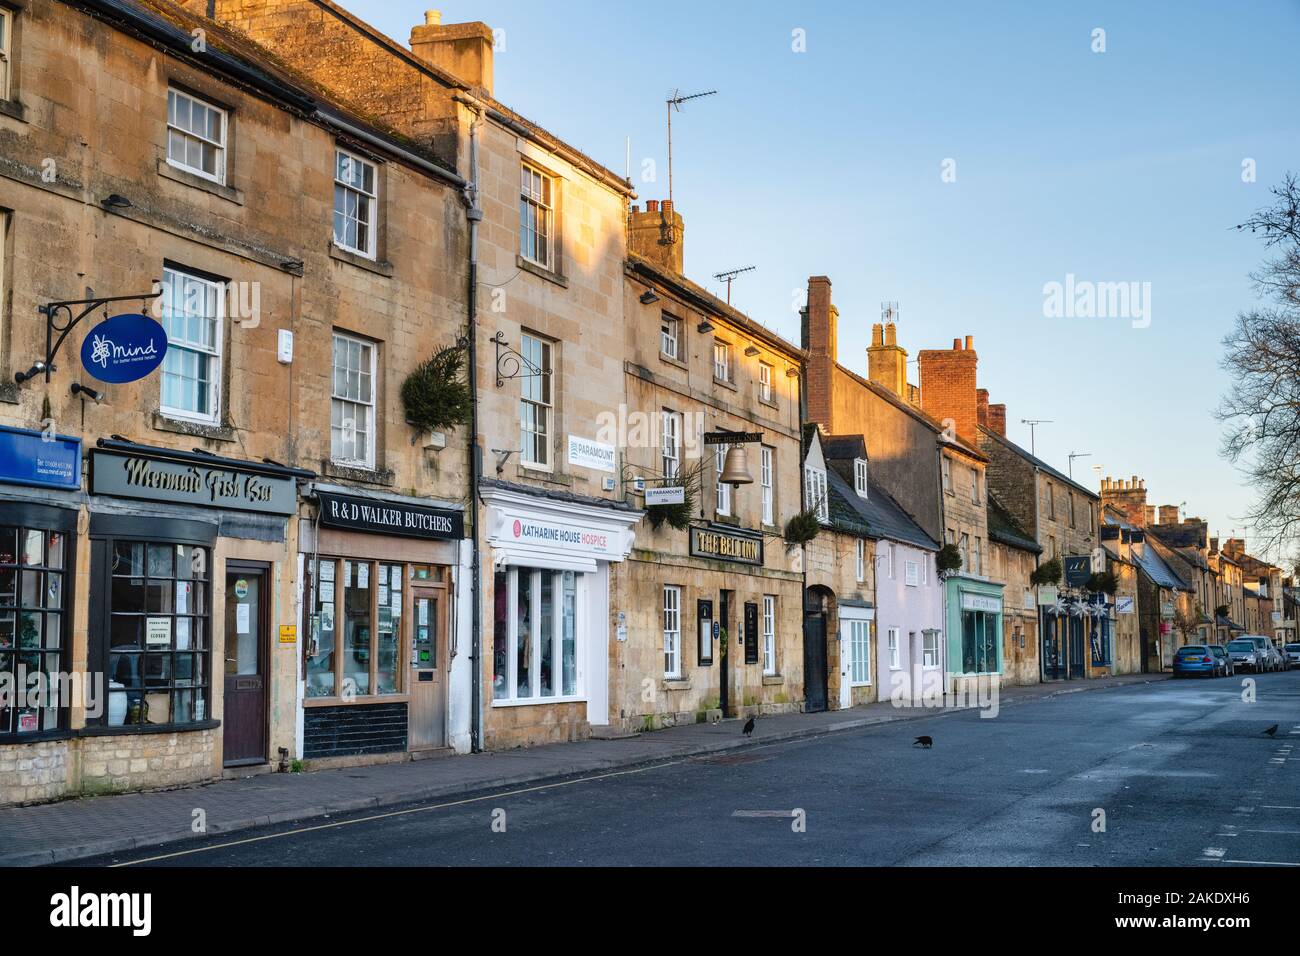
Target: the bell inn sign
726, 546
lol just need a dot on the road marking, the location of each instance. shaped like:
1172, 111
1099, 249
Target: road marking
1270, 807
1287, 832
762, 813
394, 813
1262, 862
1214, 852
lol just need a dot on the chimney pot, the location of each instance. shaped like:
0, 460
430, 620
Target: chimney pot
956, 345
432, 18
970, 342
652, 205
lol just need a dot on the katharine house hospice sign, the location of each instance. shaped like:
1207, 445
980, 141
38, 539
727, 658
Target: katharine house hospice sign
385, 516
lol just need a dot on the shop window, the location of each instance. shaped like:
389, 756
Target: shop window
535, 643
193, 313
157, 644
34, 607
769, 634
355, 629
979, 643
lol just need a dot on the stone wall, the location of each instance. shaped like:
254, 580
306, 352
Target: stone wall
33, 773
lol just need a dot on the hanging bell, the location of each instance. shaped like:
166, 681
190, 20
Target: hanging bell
735, 467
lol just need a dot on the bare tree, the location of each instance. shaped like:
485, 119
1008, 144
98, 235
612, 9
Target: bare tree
1261, 411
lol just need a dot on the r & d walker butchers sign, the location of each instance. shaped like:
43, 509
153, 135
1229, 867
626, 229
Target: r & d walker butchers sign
220, 485
385, 516
726, 546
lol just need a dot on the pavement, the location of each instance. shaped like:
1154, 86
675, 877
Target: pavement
133, 825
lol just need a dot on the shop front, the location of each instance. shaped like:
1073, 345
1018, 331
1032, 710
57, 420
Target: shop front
548, 605
974, 609
378, 596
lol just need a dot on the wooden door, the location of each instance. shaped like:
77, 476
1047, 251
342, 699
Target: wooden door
244, 720
427, 637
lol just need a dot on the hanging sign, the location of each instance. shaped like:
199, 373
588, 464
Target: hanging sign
124, 348
1078, 568
1047, 596
732, 438
1123, 605
670, 495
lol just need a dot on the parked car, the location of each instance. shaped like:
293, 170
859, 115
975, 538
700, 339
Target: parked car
1293, 654
1195, 659
1225, 660
1247, 654
1268, 653
1280, 657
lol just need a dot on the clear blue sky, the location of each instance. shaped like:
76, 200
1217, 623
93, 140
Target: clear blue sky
1115, 166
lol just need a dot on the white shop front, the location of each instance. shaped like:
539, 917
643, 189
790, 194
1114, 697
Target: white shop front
549, 602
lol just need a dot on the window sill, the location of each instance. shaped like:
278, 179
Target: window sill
676, 683
229, 193
725, 384
769, 403
731, 520
39, 737
180, 426
541, 474
134, 729
384, 269
538, 701
367, 476
13, 109
772, 680
527, 265
669, 360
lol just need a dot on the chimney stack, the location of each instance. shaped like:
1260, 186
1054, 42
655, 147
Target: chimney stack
1129, 498
982, 406
462, 49
948, 386
656, 234
887, 361
1169, 514
998, 420
818, 337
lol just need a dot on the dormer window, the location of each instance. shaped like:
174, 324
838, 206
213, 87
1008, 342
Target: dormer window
860, 477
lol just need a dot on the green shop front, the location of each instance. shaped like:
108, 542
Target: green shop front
974, 617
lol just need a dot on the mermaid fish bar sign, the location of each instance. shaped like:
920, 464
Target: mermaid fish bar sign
191, 483
124, 348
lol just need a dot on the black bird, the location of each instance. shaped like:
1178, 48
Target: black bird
923, 741
1272, 731
749, 726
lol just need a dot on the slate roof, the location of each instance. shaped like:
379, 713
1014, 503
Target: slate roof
878, 516
1005, 529
1152, 564
1039, 463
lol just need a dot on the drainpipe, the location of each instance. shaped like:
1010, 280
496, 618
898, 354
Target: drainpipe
474, 215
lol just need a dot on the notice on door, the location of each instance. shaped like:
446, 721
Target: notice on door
241, 618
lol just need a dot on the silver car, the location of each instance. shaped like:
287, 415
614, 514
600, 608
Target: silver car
1246, 654
1293, 654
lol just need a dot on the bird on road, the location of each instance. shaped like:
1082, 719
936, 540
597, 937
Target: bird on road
1272, 731
749, 727
923, 741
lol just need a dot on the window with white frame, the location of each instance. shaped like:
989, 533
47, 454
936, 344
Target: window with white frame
815, 497
670, 336
538, 630
929, 649
860, 547
723, 489
974, 486
536, 217
722, 361
946, 466
894, 655
193, 310
889, 557
671, 453
672, 630
976, 556
356, 192
911, 574
859, 652
6, 44
352, 402
860, 477
765, 476
764, 381
535, 402
963, 546
769, 634
196, 136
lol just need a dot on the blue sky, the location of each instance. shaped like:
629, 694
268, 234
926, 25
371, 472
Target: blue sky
1122, 166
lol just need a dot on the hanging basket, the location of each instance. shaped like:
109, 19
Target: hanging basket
436, 395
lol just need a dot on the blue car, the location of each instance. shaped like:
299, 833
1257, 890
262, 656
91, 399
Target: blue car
1196, 659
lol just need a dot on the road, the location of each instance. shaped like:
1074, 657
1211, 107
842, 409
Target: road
1181, 770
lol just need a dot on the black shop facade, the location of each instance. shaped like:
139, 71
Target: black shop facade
380, 665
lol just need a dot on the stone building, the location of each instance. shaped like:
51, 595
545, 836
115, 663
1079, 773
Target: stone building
1075, 627
160, 545
710, 605
1013, 555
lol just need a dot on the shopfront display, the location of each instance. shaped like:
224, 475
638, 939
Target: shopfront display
974, 627
378, 579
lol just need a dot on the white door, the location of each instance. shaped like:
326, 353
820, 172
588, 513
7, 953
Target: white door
846, 664
855, 654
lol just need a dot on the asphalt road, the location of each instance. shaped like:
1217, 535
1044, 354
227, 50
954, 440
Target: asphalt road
1181, 769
